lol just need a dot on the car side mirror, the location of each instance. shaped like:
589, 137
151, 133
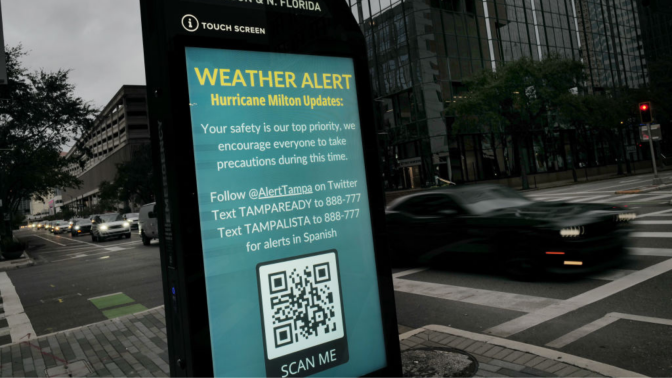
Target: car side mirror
151, 214
448, 213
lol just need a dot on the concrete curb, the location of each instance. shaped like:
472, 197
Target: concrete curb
644, 190
597, 367
71, 330
18, 263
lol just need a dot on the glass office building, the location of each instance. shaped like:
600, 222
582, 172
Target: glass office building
420, 52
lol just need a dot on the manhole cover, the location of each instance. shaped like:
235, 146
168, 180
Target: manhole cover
72, 369
438, 362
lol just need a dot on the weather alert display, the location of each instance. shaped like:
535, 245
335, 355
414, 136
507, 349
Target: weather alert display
286, 231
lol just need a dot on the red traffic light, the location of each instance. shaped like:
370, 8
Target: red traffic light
645, 112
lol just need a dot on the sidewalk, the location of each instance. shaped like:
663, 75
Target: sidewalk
499, 357
129, 346
136, 346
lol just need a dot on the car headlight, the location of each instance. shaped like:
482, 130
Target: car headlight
103, 227
58, 228
126, 224
76, 227
572, 232
626, 217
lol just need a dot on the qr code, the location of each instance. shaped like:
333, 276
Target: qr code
300, 303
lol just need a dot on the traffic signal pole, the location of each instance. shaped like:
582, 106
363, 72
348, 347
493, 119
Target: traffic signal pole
656, 180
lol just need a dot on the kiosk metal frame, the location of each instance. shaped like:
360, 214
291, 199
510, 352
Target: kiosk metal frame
334, 34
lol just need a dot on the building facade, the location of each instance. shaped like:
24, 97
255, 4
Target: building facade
421, 51
121, 129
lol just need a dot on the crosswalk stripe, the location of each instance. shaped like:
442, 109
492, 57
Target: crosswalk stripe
628, 197
543, 315
560, 199
588, 199
651, 234
652, 222
608, 200
664, 252
497, 299
658, 197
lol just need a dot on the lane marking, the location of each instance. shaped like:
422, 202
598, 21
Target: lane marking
543, 315
664, 252
651, 235
103, 296
93, 254
19, 324
601, 323
408, 272
655, 213
623, 182
496, 299
583, 363
652, 222
51, 241
587, 199
560, 199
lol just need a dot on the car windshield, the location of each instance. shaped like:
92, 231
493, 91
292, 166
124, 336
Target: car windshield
131, 215
484, 200
110, 217
80, 222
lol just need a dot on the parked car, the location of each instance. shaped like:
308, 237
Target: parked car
148, 224
109, 225
80, 226
492, 224
59, 227
132, 218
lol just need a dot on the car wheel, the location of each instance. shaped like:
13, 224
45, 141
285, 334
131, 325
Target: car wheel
145, 239
128, 236
522, 268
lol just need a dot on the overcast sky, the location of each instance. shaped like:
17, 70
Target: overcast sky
100, 41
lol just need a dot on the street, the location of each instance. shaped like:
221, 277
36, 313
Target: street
77, 282
620, 317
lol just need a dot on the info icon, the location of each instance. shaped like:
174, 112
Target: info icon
190, 23
302, 314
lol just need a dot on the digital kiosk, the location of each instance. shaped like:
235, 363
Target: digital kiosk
271, 205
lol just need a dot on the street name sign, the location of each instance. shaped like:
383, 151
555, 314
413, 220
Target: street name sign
271, 207
656, 132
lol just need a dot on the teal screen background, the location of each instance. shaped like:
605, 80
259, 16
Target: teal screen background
230, 270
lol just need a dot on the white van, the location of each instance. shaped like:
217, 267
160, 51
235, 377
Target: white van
148, 224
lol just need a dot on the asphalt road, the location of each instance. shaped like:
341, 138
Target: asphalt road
621, 317
56, 292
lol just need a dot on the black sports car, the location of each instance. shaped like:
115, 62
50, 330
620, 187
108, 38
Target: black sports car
495, 224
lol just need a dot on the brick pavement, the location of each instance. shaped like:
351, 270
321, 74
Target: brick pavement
129, 346
136, 346
505, 358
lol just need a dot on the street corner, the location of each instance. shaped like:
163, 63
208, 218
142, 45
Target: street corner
498, 357
22, 262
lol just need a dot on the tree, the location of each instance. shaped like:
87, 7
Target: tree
40, 114
520, 98
133, 182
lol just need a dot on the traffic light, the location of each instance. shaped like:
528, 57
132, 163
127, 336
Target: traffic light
645, 112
